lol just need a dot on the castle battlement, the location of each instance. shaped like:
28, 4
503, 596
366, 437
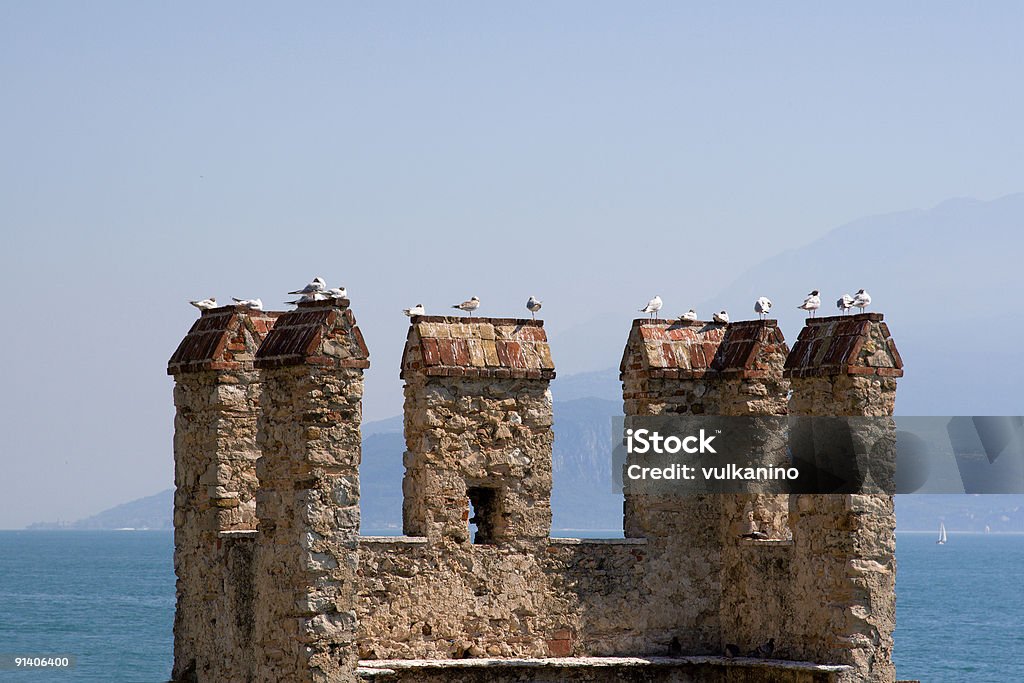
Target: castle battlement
275, 583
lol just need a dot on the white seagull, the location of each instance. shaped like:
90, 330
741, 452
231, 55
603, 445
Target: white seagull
533, 305
811, 303
721, 317
317, 285
254, 304
762, 306
205, 304
689, 315
652, 307
861, 299
313, 296
844, 303
415, 310
469, 305
336, 293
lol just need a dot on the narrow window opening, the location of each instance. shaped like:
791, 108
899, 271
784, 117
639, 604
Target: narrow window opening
485, 523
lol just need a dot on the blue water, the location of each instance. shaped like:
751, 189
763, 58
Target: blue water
107, 597
960, 608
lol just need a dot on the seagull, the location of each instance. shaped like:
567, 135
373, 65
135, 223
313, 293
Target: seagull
336, 293
721, 317
254, 304
533, 305
205, 304
765, 650
317, 285
689, 315
762, 306
755, 536
732, 650
415, 310
652, 307
314, 296
469, 306
861, 299
811, 303
844, 303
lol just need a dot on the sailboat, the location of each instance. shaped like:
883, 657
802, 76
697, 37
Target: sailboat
942, 534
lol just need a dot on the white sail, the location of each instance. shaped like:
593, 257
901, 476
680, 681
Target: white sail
942, 534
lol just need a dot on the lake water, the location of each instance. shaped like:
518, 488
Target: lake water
107, 597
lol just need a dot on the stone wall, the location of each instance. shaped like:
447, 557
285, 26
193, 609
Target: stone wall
421, 599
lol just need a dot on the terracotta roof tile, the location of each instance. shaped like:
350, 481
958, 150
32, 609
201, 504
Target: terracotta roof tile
852, 344
315, 333
448, 346
693, 349
224, 338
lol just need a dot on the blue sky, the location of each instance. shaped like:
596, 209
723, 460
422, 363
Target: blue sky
590, 153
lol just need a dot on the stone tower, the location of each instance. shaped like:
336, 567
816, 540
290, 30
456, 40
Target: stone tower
216, 398
478, 416
844, 564
312, 364
692, 368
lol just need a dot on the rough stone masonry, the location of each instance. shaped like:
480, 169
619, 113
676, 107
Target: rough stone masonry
275, 584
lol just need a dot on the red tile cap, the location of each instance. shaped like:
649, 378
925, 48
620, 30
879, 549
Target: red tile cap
450, 346
224, 338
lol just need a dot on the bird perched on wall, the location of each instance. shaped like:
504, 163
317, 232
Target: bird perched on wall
811, 303
732, 650
755, 536
764, 650
336, 293
533, 305
652, 307
861, 299
415, 310
844, 303
312, 296
469, 305
689, 315
721, 317
254, 304
317, 285
762, 306
205, 304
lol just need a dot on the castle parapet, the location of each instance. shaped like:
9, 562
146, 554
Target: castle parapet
843, 573
478, 416
308, 503
216, 398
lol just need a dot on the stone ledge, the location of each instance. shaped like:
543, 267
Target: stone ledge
241, 533
397, 540
598, 541
377, 667
772, 542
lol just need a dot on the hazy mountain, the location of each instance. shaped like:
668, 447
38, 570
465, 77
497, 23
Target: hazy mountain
151, 512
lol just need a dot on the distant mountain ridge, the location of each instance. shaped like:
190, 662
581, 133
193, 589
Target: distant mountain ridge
151, 512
